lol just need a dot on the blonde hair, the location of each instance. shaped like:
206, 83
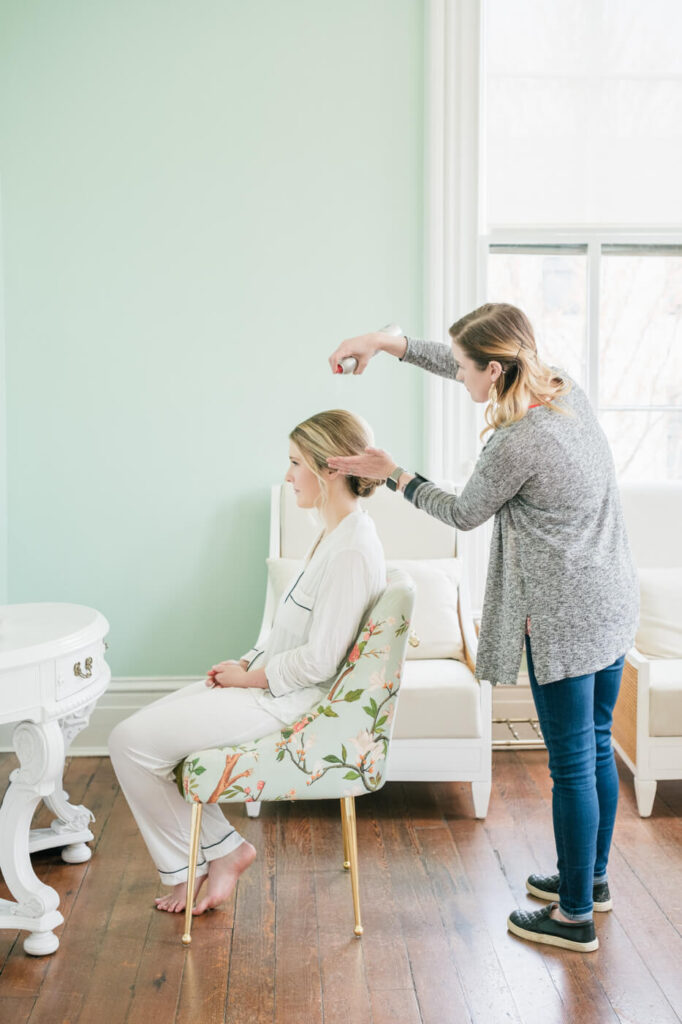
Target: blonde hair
500, 332
331, 433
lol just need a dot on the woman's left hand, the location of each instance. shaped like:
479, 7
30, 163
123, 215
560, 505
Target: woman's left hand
374, 464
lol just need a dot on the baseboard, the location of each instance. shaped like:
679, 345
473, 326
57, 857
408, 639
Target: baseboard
128, 694
122, 697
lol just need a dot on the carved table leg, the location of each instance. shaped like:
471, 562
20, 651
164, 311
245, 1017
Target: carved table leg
40, 749
71, 824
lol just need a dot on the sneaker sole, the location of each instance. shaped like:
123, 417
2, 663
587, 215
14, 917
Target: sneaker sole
553, 940
553, 897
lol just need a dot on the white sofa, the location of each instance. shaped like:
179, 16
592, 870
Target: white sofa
647, 722
443, 724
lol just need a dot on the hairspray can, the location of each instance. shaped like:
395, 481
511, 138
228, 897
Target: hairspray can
349, 364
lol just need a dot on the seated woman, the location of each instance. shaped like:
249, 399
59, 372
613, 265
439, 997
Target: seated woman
315, 624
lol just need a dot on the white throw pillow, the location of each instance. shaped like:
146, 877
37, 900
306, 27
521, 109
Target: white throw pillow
435, 622
660, 619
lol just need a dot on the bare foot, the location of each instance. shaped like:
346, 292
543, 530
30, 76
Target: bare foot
174, 901
223, 874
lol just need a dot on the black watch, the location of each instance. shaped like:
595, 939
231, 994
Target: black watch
392, 480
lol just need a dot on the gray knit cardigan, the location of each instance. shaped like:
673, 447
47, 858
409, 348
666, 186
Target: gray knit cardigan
559, 551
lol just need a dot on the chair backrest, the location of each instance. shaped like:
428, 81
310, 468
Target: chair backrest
405, 531
653, 517
337, 748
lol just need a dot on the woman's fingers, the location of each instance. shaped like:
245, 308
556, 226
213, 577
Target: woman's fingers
374, 464
361, 348
350, 465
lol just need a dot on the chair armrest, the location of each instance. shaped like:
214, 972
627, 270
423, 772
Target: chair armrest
466, 624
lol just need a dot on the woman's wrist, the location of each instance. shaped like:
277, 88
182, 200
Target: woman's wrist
257, 678
403, 480
389, 343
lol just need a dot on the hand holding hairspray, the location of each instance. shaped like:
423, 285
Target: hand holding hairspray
349, 364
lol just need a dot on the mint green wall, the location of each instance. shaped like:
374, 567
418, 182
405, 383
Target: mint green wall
3, 438
199, 201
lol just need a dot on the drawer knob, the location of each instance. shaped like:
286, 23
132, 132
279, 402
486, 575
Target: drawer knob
77, 671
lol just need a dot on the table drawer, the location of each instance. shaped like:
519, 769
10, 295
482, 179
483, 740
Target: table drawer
75, 671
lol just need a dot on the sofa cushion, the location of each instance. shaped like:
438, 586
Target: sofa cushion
435, 621
665, 697
660, 621
439, 699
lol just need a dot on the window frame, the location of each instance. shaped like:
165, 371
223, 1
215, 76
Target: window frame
592, 239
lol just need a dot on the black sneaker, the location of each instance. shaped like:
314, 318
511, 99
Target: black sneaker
546, 887
538, 926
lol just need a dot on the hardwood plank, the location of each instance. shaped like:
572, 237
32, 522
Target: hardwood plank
170, 978
669, 792
436, 887
395, 1006
25, 974
204, 989
617, 967
345, 992
159, 978
427, 944
68, 975
638, 963
430, 803
380, 914
487, 992
298, 983
251, 989
114, 972
16, 1010
521, 836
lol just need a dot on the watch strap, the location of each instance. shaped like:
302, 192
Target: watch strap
417, 480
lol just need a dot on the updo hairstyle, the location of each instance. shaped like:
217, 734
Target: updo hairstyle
329, 434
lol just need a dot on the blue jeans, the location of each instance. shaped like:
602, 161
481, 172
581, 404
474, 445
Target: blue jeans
575, 717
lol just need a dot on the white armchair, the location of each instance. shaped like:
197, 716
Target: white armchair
443, 729
647, 721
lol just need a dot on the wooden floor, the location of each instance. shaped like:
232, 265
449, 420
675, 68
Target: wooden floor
436, 887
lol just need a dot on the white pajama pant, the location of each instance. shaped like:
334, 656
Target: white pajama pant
146, 747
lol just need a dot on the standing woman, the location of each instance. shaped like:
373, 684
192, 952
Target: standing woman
560, 579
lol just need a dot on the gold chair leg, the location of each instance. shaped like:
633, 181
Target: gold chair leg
348, 803
195, 833
346, 862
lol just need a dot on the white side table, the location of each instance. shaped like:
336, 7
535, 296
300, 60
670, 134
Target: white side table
52, 671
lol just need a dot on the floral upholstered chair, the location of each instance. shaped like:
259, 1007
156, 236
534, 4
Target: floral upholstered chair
337, 749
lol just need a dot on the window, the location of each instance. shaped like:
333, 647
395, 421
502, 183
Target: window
582, 211
610, 313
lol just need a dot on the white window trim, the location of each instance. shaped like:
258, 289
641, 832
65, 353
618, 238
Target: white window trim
454, 187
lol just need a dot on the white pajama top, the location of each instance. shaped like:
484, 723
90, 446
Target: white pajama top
319, 616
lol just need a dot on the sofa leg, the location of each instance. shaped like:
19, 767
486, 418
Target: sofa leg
645, 792
253, 808
481, 794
